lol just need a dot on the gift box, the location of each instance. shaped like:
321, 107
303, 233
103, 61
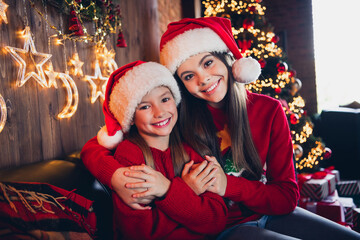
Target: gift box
356, 219
332, 170
316, 186
348, 188
348, 205
330, 210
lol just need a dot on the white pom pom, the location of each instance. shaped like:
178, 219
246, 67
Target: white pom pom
110, 142
246, 70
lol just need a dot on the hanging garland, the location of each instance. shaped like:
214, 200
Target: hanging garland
104, 14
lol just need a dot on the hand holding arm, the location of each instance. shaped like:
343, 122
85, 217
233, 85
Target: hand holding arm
219, 186
199, 177
154, 182
119, 181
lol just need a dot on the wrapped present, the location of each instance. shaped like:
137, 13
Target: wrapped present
332, 170
348, 188
349, 205
330, 210
356, 219
317, 186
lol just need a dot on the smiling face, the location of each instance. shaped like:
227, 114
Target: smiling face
205, 77
156, 116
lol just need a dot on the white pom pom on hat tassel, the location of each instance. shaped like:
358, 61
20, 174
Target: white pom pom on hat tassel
246, 70
110, 142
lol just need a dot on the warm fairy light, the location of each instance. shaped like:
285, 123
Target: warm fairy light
75, 61
97, 90
296, 104
72, 99
51, 75
3, 113
3, 7
28, 60
302, 136
108, 58
313, 157
213, 8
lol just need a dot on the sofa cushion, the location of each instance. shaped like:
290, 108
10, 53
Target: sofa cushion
46, 211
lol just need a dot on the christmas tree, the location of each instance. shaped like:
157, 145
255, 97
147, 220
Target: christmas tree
255, 37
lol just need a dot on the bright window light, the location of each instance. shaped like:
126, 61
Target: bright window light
337, 52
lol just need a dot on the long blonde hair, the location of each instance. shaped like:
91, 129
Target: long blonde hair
199, 131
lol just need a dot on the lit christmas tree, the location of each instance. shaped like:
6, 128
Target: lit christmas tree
255, 38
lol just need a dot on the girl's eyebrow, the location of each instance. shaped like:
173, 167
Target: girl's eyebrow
200, 63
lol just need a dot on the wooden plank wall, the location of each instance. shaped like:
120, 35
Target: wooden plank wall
33, 132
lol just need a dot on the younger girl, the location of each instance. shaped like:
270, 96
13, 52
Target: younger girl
140, 102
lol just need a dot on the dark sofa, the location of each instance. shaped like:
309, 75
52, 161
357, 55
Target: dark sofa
69, 174
339, 128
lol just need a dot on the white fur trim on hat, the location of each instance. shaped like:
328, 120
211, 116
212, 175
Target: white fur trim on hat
188, 44
246, 70
134, 85
110, 142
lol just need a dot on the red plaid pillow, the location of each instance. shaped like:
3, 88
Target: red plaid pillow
44, 211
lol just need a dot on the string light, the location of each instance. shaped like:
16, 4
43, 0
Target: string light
72, 99
51, 75
108, 58
75, 61
97, 90
3, 7
29, 67
3, 113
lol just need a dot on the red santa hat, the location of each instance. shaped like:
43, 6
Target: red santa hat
124, 91
191, 36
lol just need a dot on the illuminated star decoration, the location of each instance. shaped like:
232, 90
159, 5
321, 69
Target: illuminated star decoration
30, 62
3, 113
75, 61
97, 90
108, 59
3, 7
51, 75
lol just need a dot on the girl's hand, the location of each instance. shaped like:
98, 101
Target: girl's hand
219, 186
118, 181
154, 182
200, 177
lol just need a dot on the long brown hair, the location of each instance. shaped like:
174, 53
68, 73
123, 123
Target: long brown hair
199, 131
178, 154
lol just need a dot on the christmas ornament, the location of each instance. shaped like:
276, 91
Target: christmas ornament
292, 73
294, 119
248, 23
278, 90
3, 7
252, 9
121, 40
327, 153
51, 75
30, 61
262, 62
75, 61
282, 67
97, 90
75, 26
244, 45
298, 151
3, 113
275, 39
72, 99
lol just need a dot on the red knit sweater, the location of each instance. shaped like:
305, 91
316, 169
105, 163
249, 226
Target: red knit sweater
181, 214
271, 135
